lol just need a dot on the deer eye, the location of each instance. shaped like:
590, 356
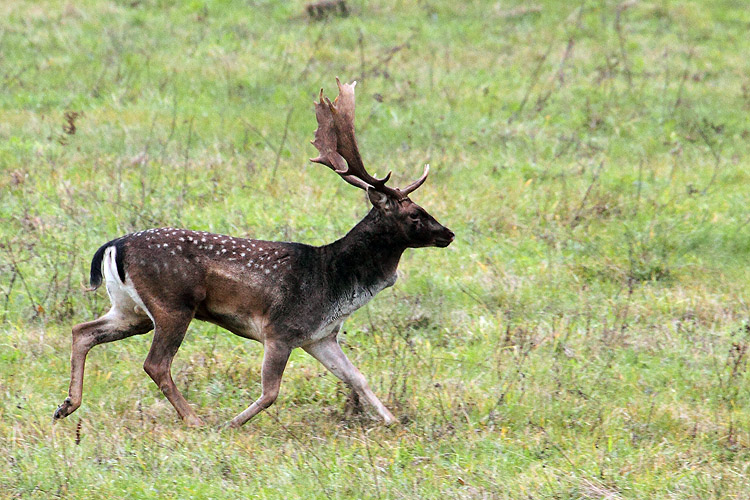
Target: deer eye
414, 217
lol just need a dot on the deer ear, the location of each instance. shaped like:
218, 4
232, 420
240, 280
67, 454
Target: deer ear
379, 200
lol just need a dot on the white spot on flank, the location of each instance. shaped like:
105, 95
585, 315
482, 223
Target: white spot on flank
242, 254
223, 250
182, 239
268, 271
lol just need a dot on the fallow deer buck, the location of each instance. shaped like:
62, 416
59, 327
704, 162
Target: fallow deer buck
284, 295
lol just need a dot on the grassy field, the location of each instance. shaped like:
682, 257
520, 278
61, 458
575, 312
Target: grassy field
586, 336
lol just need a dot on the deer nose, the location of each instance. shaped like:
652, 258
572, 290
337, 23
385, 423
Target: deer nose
446, 238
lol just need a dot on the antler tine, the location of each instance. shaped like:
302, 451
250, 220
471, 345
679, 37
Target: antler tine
325, 136
414, 185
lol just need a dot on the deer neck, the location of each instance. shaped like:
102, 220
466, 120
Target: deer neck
367, 257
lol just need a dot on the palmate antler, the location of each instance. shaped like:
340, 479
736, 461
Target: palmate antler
337, 144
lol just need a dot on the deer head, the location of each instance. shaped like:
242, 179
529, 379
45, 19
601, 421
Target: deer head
337, 145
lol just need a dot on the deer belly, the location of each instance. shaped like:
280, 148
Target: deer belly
244, 324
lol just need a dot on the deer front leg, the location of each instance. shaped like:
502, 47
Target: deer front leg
329, 353
275, 356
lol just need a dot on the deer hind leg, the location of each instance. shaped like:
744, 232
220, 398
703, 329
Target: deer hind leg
168, 335
115, 325
329, 353
275, 356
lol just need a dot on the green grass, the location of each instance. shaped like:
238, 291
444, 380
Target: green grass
586, 336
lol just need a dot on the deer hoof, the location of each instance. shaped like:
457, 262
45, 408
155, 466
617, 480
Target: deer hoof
194, 422
390, 421
65, 409
226, 425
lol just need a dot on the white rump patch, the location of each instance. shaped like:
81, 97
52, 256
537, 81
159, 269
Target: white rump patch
124, 298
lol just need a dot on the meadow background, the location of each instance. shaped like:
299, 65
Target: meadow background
585, 336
